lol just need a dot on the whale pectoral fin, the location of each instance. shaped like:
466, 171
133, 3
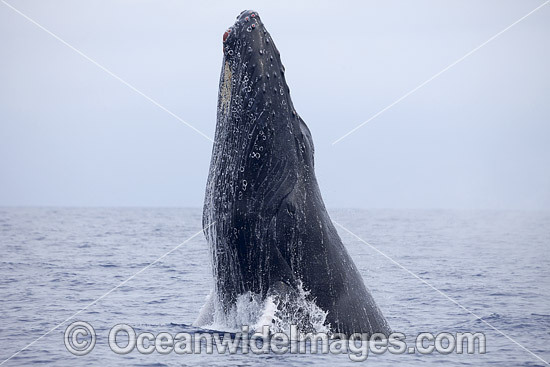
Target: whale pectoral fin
280, 271
206, 313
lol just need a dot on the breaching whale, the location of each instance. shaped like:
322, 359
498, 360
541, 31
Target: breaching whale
264, 217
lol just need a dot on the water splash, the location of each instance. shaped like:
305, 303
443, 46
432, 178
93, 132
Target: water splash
278, 311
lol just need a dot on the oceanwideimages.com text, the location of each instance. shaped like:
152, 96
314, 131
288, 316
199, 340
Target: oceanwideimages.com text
80, 339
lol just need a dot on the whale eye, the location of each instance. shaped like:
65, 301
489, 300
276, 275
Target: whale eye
247, 19
252, 15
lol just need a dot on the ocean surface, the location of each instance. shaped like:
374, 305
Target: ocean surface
56, 262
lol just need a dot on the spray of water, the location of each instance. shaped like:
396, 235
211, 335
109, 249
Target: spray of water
278, 311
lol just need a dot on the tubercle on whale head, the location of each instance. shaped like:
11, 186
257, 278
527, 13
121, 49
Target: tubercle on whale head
226, 34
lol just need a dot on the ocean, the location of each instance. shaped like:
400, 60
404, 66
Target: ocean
436, 271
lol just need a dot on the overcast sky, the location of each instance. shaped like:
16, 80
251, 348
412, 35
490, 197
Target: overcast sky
477, 136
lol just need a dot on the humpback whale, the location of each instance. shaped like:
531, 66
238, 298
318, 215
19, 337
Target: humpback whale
264, 218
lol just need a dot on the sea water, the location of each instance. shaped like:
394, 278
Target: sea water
429, 271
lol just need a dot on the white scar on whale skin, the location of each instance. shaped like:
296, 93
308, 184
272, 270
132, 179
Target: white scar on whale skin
226, 88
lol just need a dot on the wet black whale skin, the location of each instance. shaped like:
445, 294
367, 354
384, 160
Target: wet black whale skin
268, 221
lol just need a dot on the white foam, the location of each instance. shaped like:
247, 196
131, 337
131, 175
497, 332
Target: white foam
279, 312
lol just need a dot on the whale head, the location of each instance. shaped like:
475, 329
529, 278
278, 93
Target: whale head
253, 76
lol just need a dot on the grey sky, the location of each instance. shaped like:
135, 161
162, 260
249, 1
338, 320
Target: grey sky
476, 137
